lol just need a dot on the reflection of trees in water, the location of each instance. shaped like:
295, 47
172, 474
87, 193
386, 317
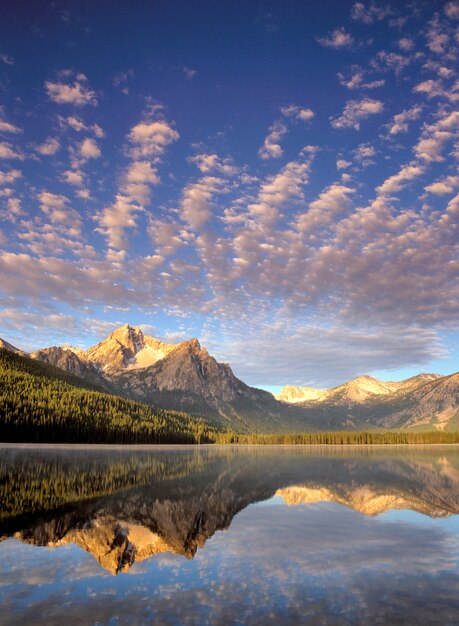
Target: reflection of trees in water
183, 496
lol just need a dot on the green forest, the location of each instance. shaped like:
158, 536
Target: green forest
40, 403
43, 404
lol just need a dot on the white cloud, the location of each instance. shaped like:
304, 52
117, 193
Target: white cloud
339, 38
342, 164
75, 93
284, 187
435, 136
271, 148
55, 206
78, 125
355, 111
89, 149
6, 178
297, 112
452, 10
400, 121
5, 58
7, 151
357, 81
197, 201
436, 89
333, 201
74, 177
49, 147
443, 186
369, 14
437, 39
189, 72
208, 163
396, 182
150, 139
116, 218
7, 127
406, 44
363, 154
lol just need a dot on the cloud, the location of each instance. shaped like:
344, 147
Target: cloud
390, 61
284, 187
189, 72
435, 136
74, 177
7, 151
342, 164
369, 14
436, 89
89, 149
271, 148
443, 186
197, 200
6, 178
7, 127
75, 123
150, 139
208, 163
398, 181
5, 58
333, 201
297, 112
339, 38
116, 218
147, 142
76, 93
437, 39
357, 81
55, 206
400, 121
49, 147
452, 10
363, 154
406, 44
278, 354
122, 79
355, 111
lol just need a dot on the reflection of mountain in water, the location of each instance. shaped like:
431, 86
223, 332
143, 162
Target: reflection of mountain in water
125, 506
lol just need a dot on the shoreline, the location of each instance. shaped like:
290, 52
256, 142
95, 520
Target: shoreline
213, 446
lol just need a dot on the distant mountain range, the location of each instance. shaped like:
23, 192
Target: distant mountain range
185, 377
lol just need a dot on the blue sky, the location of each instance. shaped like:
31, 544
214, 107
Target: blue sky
278, 179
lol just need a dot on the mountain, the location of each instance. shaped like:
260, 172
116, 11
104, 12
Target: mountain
425, 401
359, 390
182, 377
7, 346
185, 377
42, 403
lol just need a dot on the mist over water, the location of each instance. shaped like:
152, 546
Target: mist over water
256, 535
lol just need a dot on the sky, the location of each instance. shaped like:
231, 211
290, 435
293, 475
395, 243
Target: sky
279, 180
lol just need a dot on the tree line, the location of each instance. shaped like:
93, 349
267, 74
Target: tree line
40, 403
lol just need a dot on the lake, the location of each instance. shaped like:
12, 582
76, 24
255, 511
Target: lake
226, 535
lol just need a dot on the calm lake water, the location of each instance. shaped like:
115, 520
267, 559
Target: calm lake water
257, 535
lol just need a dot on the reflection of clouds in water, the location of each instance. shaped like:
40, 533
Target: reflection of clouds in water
322, 564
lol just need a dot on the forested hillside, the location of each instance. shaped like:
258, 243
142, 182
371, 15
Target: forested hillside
41, 403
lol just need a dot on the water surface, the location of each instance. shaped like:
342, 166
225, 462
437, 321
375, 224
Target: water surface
256, 535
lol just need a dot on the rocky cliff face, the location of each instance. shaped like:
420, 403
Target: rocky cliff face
66, 359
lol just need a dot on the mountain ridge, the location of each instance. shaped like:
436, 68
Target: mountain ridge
185, 377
